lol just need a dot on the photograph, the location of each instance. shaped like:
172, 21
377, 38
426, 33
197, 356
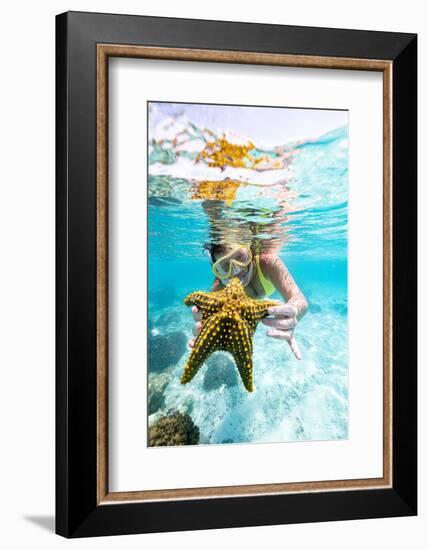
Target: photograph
247, 239
212, 275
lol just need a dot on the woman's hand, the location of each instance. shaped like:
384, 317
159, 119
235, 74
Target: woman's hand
197, 316
283, 321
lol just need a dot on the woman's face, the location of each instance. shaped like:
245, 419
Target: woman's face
234, 262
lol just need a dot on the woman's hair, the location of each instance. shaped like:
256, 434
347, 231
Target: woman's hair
214, 249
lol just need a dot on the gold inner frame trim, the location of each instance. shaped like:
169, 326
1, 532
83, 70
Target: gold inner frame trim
104, 51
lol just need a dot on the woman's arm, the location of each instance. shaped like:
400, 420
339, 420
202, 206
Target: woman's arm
275, 270
283, 318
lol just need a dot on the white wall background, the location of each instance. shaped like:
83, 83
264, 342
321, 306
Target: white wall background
27, 88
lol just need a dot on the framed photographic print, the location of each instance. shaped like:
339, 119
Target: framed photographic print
236, 274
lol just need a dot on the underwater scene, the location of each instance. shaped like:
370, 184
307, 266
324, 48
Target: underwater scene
247, 274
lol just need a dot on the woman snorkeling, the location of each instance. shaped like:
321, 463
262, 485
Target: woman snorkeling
261, 274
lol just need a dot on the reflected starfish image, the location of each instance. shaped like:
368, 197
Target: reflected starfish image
224, 190
229, 320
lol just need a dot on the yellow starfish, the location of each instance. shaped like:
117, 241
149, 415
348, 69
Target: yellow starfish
224, 190
229, 320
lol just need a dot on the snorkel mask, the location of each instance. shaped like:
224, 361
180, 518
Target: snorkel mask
231, 264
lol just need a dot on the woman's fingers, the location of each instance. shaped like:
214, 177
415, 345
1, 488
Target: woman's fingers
197, 315
295, 348
283, 320
283, 310
288, 336
280, 334
281, 324
197, 328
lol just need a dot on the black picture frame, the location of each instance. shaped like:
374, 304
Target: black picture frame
78, 513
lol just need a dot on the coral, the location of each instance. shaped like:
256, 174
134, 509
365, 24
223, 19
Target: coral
221, 371
165, 350
175, 428
166, 318
157, 386
229, 320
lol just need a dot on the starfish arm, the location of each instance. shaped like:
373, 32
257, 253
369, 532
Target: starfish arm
240, 346
205, 344
256, 310
262, 308
208, 302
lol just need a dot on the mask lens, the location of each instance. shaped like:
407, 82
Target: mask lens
243, 257
234, 261
222, 269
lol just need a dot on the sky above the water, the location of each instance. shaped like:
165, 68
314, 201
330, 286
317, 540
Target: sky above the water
263, 125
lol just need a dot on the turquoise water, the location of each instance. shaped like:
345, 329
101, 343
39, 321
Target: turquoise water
305, 217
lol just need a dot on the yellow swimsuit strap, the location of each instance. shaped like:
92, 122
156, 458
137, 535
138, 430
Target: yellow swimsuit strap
268, 287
